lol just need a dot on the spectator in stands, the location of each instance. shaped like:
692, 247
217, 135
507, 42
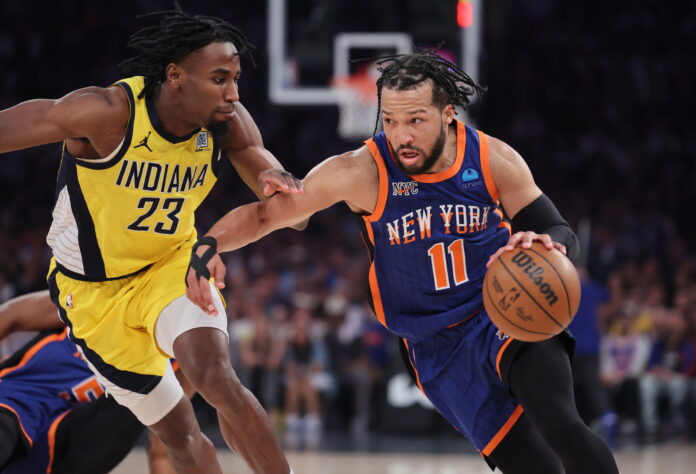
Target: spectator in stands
671, 359
305, 361
623, 357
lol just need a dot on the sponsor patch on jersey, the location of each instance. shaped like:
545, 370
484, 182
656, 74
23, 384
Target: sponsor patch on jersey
400, 188
202, 141
469, 174
471, 179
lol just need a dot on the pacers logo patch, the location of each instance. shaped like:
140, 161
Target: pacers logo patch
202, 141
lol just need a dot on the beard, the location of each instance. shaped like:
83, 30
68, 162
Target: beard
430, 159
218, 129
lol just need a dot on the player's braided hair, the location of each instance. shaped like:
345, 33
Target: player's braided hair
451, 85
172, 39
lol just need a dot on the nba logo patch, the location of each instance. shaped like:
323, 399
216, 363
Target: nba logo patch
69, 301
501, 335
202, 141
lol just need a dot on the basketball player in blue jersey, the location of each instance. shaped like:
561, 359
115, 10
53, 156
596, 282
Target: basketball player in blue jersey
53, 417
429, 193
138, 159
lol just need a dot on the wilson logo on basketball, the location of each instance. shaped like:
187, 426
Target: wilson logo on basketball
536, 274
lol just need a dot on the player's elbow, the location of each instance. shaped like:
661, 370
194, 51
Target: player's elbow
262, 219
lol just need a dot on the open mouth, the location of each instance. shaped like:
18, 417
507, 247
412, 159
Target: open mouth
409, 157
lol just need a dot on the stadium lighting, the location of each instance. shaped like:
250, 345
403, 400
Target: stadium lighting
465, 13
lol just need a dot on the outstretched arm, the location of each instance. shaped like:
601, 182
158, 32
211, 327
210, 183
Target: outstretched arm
257, 166
351, 177
82, 113
30, 312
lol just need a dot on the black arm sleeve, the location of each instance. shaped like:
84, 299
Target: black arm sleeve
542, 217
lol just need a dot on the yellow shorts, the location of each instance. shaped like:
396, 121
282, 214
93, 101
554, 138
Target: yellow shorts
113, 321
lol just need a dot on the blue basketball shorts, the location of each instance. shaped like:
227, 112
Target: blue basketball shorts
459, 370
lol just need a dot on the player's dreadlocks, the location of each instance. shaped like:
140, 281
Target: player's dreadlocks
451, 85
176, 36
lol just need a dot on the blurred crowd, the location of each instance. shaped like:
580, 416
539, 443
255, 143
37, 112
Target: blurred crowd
595, 95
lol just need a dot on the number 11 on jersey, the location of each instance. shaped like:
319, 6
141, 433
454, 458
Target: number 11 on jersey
439, 264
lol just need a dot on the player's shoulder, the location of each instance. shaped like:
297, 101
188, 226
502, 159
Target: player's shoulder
357, 159
499, 150
242, 130
113, 97
350, 165
109, 104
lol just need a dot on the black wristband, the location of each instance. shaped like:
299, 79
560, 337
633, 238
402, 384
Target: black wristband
542, 217
200, 264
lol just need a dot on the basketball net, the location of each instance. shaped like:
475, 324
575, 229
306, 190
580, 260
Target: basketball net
357, 104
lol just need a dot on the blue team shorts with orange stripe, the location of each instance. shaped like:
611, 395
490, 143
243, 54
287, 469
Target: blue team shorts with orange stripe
458, 370
39, 458
33, 408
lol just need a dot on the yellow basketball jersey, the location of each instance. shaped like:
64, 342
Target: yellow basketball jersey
117, 215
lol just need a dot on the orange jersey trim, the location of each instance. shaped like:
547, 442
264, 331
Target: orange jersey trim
52, 441
503, 222
486, 167
376, 296
19, 420
372, 276
415, 371
383, 183
493, 443
31, 352
500, 355
370, 232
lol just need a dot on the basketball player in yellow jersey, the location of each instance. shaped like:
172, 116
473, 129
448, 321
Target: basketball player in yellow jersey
138, 158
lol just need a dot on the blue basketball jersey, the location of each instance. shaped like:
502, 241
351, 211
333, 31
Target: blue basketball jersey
42, 380
430, 237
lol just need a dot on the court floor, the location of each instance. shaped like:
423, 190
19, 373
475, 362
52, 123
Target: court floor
663, 459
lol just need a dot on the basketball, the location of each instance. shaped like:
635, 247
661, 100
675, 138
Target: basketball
531, 294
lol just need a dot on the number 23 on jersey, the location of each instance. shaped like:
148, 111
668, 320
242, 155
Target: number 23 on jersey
145, 223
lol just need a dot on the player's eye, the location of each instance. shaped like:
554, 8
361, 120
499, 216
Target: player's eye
219, 80
416, 120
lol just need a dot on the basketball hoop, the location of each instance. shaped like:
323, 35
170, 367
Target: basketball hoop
357, 103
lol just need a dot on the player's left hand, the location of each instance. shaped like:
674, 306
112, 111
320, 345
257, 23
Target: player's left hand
205, 263
273, 180
524, 240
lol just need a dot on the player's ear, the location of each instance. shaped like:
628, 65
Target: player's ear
448, 114
174, 74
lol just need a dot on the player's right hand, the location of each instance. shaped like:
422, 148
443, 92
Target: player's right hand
273, 181
198, 287
524, 240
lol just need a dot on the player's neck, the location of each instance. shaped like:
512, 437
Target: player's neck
171, 114
449, 153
